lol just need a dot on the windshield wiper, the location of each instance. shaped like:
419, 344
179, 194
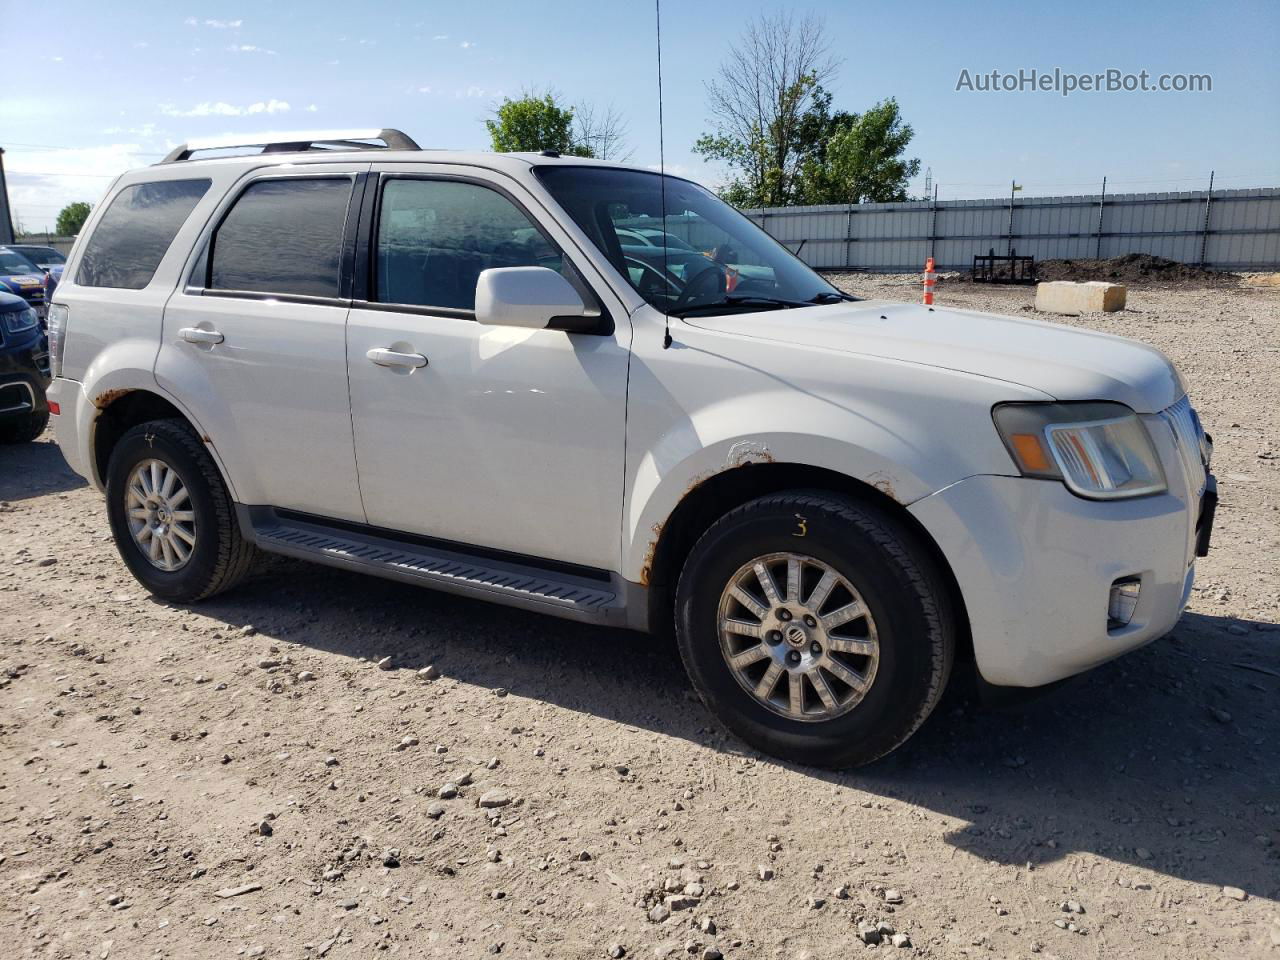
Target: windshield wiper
833, 297
750, 302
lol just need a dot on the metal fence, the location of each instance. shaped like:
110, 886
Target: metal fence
1224, 229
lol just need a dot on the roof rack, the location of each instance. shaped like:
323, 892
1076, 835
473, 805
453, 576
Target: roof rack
300, 142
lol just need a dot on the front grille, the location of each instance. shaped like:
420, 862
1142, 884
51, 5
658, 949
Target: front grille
1187, 435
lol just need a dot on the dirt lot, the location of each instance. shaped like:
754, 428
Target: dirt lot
156, 761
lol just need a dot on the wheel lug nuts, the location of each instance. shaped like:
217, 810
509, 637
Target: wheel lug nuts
815, 649
784, 615
793, 656
773, 636
809, 621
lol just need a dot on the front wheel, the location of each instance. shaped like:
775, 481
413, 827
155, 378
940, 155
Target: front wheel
815, 628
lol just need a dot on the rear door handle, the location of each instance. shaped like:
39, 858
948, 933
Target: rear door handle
196, 335
390, 358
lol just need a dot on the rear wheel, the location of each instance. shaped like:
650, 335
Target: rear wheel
172, 516
815, 628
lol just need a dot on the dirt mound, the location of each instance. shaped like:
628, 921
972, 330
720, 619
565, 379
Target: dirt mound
1134, 268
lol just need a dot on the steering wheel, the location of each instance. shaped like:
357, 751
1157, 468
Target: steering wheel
651, 277
708, 281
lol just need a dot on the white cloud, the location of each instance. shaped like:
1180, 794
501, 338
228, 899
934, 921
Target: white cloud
368, 43
42, 182
312, 108
424, 89
469, 92
250, 48
215, 24
146, 130
141, 45
441, 36
466, 44
222, 109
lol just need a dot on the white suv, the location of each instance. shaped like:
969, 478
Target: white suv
463, 370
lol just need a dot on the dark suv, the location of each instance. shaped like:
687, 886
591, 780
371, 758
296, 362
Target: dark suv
24, 372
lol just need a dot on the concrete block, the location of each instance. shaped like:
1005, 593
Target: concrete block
1068, 297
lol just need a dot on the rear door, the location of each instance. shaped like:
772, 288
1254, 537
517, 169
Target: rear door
508, 439
255, 342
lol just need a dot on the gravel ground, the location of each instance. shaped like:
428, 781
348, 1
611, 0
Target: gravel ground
250, 778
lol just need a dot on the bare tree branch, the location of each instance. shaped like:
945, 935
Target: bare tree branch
603, 131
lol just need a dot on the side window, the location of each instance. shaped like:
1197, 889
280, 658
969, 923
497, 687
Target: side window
435, 236
282, 236
135, 232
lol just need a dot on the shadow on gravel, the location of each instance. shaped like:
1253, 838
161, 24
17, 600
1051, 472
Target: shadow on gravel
1165, 759
35, 470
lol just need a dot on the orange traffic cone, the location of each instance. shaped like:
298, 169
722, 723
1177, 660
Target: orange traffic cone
929, 281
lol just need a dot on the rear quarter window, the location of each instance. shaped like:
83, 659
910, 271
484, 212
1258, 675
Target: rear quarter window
136, 230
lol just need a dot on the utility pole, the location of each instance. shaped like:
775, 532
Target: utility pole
6, 221
1102, 202
1208, 203
1013, 188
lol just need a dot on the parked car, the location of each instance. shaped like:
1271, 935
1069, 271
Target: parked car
23, 278
47, 259
437, 367
649, 237
24, 372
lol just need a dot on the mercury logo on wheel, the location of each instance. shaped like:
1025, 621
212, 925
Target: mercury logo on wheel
796, 636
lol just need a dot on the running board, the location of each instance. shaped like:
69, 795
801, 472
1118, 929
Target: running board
509, 582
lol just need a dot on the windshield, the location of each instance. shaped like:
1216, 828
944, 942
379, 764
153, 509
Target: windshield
714, 260
11, 263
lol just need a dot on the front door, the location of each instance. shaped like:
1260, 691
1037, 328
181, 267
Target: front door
507, 439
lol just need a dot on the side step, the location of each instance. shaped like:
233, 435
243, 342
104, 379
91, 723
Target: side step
505, 581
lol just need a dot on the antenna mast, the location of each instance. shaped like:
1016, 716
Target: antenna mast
662, 176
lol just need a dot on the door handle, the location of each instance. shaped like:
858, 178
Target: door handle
390, 358
196, 335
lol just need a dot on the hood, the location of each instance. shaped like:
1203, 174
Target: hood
1066, 363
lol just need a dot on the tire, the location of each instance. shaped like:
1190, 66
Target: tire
220, 556
24, 429
908, 631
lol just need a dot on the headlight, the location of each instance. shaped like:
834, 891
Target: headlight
18, 321
57, 323
1101, 451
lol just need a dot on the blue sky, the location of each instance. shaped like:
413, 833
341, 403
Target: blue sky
119, 83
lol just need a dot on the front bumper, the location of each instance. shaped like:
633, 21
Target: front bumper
22, 385
1035, 565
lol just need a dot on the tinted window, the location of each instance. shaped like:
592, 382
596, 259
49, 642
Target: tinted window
435, 236
282, 236
41, 254
136, 230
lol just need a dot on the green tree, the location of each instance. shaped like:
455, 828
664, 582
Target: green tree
535, 123
766, 87
857, 158
71, 218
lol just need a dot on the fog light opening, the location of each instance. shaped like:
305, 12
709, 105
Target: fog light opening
1123, 601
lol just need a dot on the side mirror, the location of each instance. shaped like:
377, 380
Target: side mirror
532, 297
